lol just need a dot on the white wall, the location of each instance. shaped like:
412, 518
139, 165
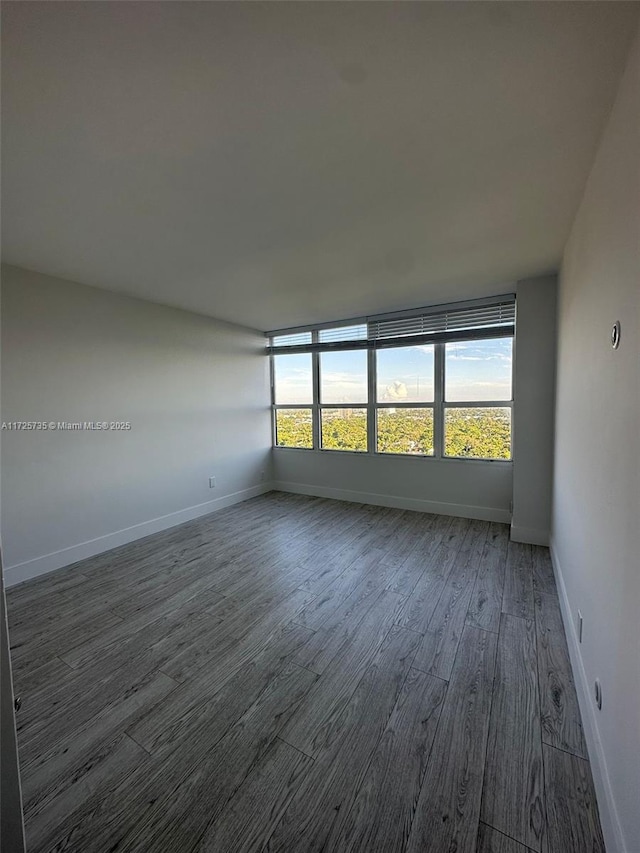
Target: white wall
195, 391
473, 489
535, 357
596, 514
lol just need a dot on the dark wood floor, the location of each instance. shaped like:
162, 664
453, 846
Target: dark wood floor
298, 674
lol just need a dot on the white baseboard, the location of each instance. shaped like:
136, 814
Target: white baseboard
482, 513
529, 535
59, 559
611, 827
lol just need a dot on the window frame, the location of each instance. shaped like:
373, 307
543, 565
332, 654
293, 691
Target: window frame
317, 372
476, 404
373, 376
276, 407
438, 406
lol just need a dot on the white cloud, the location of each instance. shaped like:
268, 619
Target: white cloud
395, 391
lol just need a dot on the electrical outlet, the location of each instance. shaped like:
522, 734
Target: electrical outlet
579, 627
598, 694
212, 482
262, 476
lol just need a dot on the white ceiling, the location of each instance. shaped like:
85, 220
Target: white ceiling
275, 164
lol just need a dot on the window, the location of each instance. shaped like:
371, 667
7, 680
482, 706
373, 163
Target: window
294, 428
477, 433
405, 375
343, 390
405, 431
343, 377
478, 370
436, 383
478, 378
344, 429
293, 399
405, 378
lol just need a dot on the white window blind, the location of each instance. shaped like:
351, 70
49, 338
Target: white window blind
339, 334
478, 319
295, 339
429, 323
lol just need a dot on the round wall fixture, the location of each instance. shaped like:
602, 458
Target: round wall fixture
615, 335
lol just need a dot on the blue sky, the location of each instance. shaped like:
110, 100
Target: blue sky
405, 375
478, 370
343, 377
293, 379
474, 370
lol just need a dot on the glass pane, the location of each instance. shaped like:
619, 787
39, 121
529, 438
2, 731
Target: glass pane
405, 374
478, 433
405, 431
294, 428
343, 377
292, 377
344, 429
478, 370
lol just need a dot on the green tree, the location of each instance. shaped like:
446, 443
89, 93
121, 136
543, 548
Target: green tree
469, 432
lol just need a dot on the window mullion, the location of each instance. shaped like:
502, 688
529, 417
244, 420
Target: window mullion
272, 386
372, 440
315, 373
438, 402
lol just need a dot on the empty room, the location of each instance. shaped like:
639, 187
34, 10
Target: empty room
320, 407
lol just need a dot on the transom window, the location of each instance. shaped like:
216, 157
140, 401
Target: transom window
436, 383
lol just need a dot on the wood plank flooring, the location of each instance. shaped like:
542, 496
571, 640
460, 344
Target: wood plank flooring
297, 674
